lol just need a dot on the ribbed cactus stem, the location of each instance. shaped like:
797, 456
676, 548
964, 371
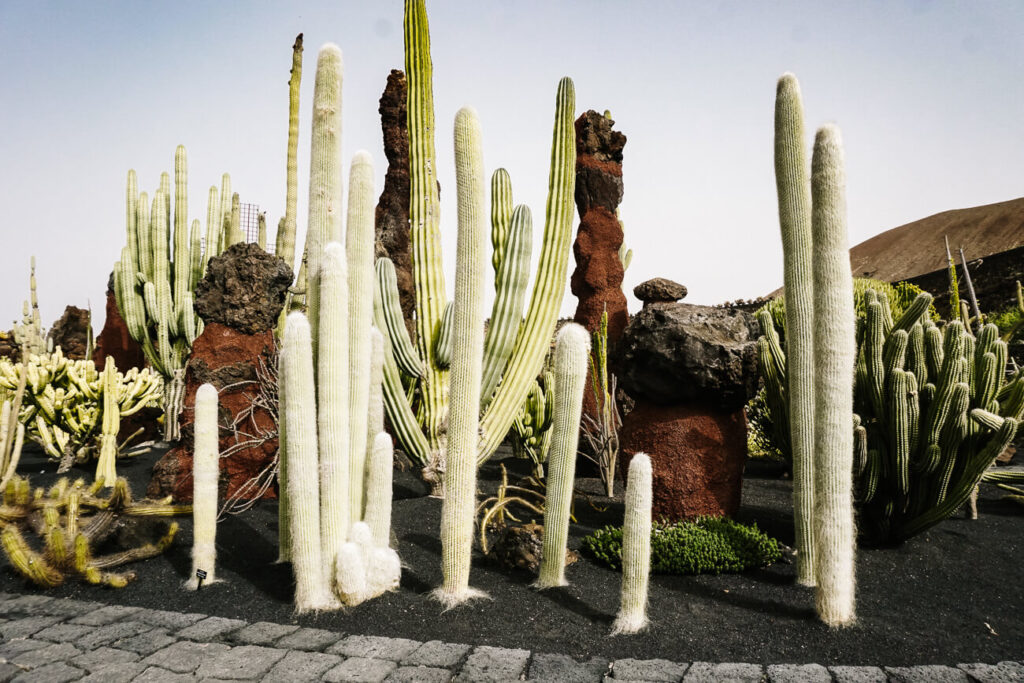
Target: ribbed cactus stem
375, 408
284, 531
794, 194
467, 361
332, 403
205, 475
571, 352
834, 357
636, 548
359, 240
378, 489
105, 468
182, 259
325, 191
285, 245
299, 408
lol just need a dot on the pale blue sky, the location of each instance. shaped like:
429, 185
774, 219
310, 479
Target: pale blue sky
928, 95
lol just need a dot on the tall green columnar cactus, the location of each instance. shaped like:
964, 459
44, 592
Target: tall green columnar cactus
572, 351
834, 357
154, 289
205, 474
332, 409
325, 192
467, 361
285, 245
299, 409
359, 240
636, 548
426, 444
794, 192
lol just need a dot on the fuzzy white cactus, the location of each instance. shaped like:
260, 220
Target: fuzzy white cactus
375, 412
365, 569
303, 481
834, 357
378, 489
466, 368
332, 407
205, 475
636, 548
284, 532
571, 353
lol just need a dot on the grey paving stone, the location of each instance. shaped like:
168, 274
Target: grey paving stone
72, 608
374, 647
146, 643
546, 667
172, 621
360, 670
12, 648
311, 639
63, 633
798, 673
105, 635
58, 672
33, 659
26, 604
419, 674
858, 674
115, 673
493, 664
994, 673
210, 628
155, 674
706, 672
647, 670
303, 666
8, 671
261, 633
102, 658
105, 615
244, 661
435, 653
931, 673
24, 627
185, 656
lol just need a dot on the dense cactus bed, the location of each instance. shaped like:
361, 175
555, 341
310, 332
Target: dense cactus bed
951, 594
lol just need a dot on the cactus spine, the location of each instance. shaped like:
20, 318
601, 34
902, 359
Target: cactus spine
572, 351
794, 193
834, 357
468, 328
205, 474
636, 548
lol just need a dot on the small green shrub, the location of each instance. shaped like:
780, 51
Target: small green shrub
707, 545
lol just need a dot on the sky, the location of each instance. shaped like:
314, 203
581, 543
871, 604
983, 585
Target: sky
929, 97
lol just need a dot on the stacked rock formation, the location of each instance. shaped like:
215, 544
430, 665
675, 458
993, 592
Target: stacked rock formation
71, 332
239, 301
392, 217
690, 369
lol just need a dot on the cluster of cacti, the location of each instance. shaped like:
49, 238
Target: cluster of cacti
73, 411
515, 346
71, 520
154, 285
531, 430
12, 432
336, 496
28, 334
205, 476
571, 353
636, 548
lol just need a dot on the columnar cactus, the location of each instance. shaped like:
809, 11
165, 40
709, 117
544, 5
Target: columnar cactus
467, 361
524, 362
571, 354
105, 467
379, 468
636, 548
794, 192
205, 475
834, 357
285, 245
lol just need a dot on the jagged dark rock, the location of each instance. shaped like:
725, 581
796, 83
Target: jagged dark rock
71, 332
244, 289
659, 290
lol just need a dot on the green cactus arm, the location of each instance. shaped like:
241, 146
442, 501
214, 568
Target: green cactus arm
261, 231
874, 343
214, 223
987, 380
285, 245
894, 352
359, 245
391, 320
511, 282
196, 257
636, 548
916, 361
234, 233
443, 338
424, 214
533, 341
182, 259
899, 430
225, 215
917, 310
501, 219
143, 237
132, 214
460, 465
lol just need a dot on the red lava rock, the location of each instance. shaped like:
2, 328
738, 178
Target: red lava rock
223, 357
115, 341
697, 457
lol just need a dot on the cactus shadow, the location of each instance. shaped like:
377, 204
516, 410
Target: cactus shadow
247, 553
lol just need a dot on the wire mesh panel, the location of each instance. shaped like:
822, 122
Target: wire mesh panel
249, 221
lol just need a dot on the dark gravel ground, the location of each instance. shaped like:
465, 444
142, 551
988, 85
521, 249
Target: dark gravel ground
950, 595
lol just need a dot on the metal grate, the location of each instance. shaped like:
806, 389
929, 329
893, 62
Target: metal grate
249, 221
